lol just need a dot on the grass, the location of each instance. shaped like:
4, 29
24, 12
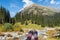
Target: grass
33, 26
53, 39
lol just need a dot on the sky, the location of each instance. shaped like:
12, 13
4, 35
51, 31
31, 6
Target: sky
14, 6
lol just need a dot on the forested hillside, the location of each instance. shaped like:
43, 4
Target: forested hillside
38, 15
5, 16
34, 14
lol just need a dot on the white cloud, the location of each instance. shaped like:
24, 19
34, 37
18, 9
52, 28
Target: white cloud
27, 3
52, 2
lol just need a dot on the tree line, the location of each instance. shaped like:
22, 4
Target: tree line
26, 18
5, 16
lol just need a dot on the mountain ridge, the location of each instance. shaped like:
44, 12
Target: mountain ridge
40, 15
50, 8
38, 9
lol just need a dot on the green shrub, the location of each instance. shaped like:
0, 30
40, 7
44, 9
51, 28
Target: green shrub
17, 26
8, 27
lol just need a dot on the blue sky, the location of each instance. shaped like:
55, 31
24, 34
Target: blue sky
15, 6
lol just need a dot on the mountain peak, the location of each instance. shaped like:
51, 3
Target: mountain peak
43, 7
35, 8
34, 5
